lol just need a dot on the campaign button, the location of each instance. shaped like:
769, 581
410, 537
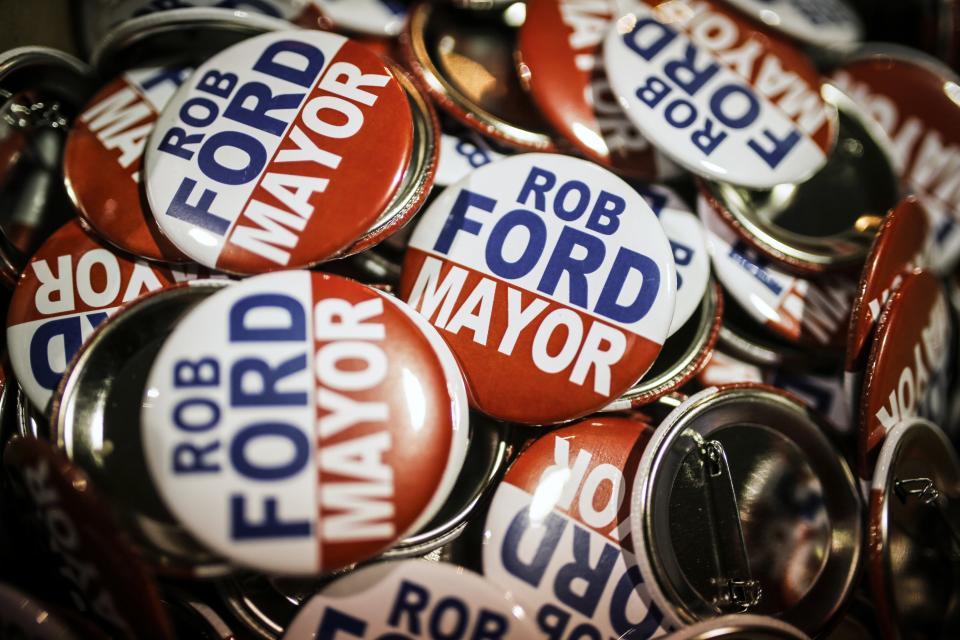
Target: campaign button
915, 100
561, 517
559, 48
688, 243
462, 150
384, 18
718, 95
897, 249
824, 23
256, 160
550, 271
103, 157
913, 532
906, 372
412, 599
68, 288
103, 575
809, 311
302, 422
465, 60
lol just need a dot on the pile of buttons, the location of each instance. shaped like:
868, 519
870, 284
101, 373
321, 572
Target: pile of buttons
564, 319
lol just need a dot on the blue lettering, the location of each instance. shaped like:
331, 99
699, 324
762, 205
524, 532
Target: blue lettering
626, 261
562, 260
304, 75
457, 218
239, 144
294, 329
270, 527
254, 471
520, 267
266, 393
198, 214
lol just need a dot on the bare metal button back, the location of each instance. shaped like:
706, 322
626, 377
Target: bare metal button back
96, 419
827, 222
914, 547
41, 90
740, 627
742, 505
465, 59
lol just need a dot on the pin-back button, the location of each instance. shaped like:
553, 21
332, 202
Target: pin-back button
553, 273
251, 189
915, 100
462, 150
41, 90
915, 532
897, 249
79, 530
95, 420
563, 501
415, 599
783, 534
800, 310
68, 288
465, 59
697, 80
906, 372
102, 160
313, 422
559, 50
824, 23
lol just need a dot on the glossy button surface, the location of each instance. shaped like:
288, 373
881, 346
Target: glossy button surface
318, 396
489, 264
733, 119
252, 192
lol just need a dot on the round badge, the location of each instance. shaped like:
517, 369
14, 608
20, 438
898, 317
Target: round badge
461, 151
553, 273
103, 575
907, 370
103, 157
688, 243
562, 503
718, 95
411, 599
916, 102
68, 288
560, 55
897, 249
825, 23
280, 151
311, 422
813, 312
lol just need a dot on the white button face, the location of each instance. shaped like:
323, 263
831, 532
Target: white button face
299, 423
373, 17
721, 98
258, 154
462, 151
412, 599
829, 23
550, 270
689, 246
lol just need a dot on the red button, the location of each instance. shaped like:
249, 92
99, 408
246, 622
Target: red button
560, 45
339, 415
295, 185
906, 372
69, 287
897, 249
103, 158
100, 568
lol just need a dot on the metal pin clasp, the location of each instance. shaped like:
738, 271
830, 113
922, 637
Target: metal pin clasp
737, 590
926, 491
